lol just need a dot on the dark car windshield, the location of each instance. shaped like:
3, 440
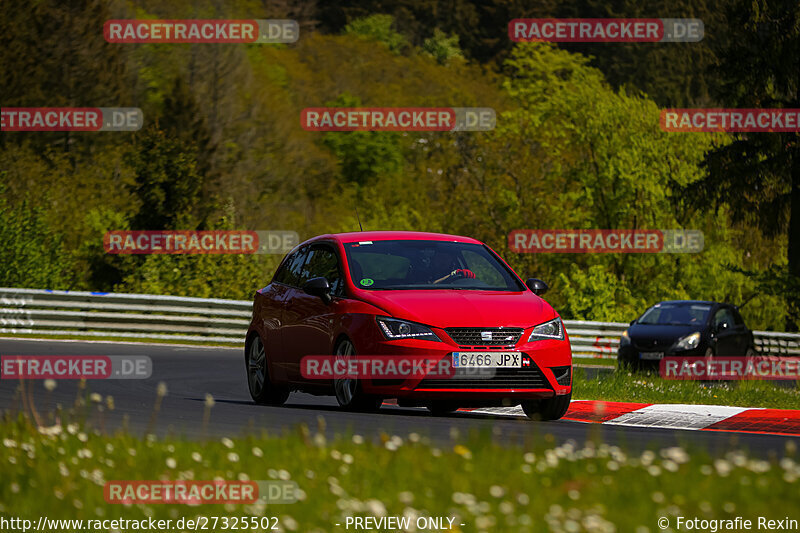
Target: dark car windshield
676, 314
429, 265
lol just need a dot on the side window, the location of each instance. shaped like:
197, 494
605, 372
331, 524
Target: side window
323, 262
723, 315
289, 273
737, 318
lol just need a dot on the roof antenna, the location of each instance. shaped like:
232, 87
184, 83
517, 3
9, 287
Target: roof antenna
359, 219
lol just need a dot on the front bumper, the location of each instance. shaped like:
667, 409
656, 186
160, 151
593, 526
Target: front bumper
548, 373
630, 353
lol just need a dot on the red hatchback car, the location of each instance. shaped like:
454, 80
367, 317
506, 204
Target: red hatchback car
406, 294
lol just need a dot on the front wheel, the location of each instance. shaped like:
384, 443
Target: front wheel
348, 390
262, 390
549, 409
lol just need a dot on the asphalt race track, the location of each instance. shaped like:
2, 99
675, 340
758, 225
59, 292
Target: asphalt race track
192, 372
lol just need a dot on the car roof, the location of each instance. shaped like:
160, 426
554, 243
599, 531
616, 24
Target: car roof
360, 236
705, 302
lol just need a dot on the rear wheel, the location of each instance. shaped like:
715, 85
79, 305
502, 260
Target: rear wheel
442, 408
348, 390
549, 409
262, 390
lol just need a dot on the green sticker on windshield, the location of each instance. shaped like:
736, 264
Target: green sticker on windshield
367, 282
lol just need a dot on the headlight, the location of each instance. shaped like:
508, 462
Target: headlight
549, 330
624, 339
395, 329
688, 342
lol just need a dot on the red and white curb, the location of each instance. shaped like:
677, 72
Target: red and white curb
671, 416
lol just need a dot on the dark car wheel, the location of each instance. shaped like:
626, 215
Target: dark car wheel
348, 390
442, 408
262, 390
550, 409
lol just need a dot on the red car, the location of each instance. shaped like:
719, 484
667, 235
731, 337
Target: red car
406, 294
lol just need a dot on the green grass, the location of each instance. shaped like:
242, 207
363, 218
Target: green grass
623, 386
592, 361
486, 486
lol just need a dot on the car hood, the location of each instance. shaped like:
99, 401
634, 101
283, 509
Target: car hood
463, 308
644, 335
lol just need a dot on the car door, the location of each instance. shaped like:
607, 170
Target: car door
285, 282
308, 321
743, 335
725, 332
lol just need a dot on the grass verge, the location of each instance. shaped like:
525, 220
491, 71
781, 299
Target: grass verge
483, 485
621, 386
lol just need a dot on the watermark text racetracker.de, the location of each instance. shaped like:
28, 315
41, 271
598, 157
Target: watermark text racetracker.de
257, 31
730, 368
606, 30
731, 120
459, 365
71, 119
200, 242
75, 367
398, 119
196, 492
583, 241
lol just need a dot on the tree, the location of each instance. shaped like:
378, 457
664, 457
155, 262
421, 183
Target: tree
379, 28
167, 183
442, 47
758, 175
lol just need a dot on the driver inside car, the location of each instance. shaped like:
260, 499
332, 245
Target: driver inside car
446, 267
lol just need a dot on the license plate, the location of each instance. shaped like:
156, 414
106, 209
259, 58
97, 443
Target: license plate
652, 356
487, 359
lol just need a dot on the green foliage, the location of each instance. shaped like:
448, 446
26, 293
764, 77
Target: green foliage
222, 142
596, 294
379, 28
32, 252
167, 182
363, 155
442, 47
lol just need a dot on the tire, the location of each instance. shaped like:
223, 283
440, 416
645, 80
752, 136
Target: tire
549, 409
348, 390
259, 383
442, 408
708, 357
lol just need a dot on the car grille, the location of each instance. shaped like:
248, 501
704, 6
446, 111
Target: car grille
485, 336
526, 377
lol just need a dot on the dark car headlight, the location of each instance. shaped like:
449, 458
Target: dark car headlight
689, 342
395, 329
624, 339
554, 329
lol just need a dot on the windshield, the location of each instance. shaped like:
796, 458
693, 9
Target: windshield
676, 314
428, 265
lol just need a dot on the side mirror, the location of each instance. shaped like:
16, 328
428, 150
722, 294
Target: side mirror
633, 322
538, 286
318, 287
722, 326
